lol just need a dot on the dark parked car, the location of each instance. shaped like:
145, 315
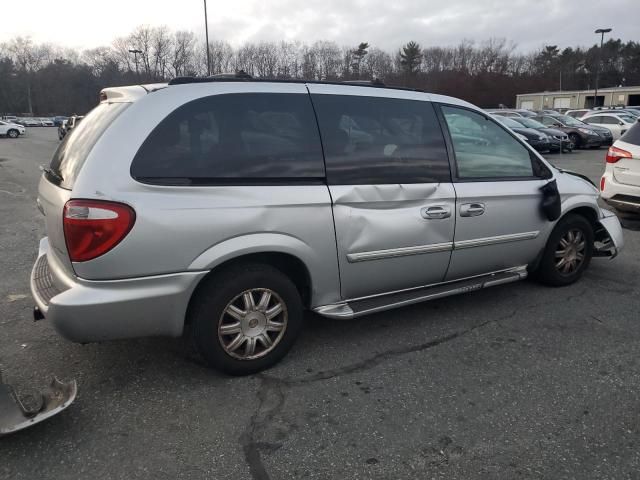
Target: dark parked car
559, 139
57, 121
512, 112
538, 140
580, 133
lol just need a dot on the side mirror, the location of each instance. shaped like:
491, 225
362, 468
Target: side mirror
621, 124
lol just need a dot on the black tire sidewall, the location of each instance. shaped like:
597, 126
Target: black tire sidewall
213, 296
547, 271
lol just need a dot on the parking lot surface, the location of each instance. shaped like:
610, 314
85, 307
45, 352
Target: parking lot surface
517, 381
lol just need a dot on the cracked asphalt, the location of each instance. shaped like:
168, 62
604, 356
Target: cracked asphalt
516, 382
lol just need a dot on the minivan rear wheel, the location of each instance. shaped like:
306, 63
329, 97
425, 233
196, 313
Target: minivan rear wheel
568, 251
246, 318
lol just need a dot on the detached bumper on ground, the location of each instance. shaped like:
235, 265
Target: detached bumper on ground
91, 311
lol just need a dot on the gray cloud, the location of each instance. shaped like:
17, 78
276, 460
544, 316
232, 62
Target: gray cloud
389, 24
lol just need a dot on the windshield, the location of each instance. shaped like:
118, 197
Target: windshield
529, 123
507, 122
627, 118
572, 122
74, 149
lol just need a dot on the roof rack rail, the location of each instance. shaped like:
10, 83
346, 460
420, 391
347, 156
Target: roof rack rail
241, 76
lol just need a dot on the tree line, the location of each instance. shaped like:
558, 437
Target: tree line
45, 79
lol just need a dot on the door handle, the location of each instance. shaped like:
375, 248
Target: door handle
435, 211
471, 209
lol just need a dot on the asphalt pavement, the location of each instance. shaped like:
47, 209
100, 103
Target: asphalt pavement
520, 381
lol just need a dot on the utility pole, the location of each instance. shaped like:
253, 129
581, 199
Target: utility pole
135, 52
601, 31
206, 34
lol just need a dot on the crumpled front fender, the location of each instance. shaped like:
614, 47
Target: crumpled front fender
19, 412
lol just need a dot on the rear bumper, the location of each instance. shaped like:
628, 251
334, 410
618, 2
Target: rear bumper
620, 195
91, 311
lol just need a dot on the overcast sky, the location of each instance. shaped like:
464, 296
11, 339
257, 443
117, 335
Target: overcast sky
383, 23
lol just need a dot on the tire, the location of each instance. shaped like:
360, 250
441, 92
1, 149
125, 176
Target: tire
575, 139
13, 133
226, 292
552, 270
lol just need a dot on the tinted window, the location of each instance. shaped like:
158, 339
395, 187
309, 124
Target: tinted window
372, 140
484, 149
549, 121
596, 120
71, 154
633, 135
233, 137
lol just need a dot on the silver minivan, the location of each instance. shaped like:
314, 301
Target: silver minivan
231, 206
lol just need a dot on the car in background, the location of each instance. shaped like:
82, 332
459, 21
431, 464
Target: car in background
580, 134
29, 122
620, 183
511, 112
617, 123
57, 120
536, 139
45, 122
11, 130
577, 113
9, 118
559, 140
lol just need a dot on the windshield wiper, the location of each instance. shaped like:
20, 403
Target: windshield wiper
55, 175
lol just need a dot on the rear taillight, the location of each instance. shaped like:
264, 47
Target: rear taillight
614, 154
602, 184
93, 227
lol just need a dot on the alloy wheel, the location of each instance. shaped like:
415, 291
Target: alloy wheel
252, 324
570, 252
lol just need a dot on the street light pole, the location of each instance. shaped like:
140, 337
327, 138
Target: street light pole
206, 33
601, 31
135, 52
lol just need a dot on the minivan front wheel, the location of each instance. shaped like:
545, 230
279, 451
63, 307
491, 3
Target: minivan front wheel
568, 251
246, 318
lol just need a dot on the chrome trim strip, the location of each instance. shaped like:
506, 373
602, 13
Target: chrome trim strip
399, 252
482, 242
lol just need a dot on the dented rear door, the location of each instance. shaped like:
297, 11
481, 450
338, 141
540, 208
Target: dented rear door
388, 175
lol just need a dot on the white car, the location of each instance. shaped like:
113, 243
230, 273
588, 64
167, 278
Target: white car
618, 123
11, 130
577, 113
45, 122
620, 183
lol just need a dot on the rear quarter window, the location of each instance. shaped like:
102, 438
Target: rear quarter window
71, 154
233, 139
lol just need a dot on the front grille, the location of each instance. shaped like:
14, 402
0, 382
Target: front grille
45, 288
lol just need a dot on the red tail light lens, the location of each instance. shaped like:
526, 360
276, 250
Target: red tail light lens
93, 227
614, 154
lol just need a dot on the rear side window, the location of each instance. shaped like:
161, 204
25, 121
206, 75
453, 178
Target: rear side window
633, 135
233, 138
71, 154
373, 140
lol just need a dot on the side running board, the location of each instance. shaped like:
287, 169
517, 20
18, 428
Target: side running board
365, 306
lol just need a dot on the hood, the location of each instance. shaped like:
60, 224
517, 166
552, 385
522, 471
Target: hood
529, 132
598, 129
554, 132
